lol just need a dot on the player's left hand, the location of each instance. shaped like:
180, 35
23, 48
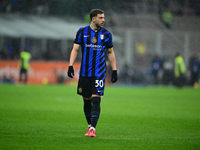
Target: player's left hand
114, 76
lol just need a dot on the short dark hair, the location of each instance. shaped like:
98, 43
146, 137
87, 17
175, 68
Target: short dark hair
94, 12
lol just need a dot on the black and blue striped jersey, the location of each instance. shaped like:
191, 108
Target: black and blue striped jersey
93, 45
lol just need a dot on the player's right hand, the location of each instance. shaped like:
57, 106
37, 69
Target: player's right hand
70, 71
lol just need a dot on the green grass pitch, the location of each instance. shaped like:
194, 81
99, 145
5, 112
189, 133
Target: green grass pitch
145, 118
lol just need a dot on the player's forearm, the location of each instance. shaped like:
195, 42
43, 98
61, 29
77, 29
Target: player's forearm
112, 60
73, 57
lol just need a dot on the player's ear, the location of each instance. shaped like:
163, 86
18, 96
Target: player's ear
93, 18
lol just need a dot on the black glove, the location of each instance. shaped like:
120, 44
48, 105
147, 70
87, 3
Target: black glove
70, 71
114, 76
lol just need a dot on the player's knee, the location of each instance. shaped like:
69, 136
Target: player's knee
96, 100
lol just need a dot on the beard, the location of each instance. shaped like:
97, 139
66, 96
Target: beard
99, 25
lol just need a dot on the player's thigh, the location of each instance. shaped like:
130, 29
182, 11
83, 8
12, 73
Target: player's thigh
84, 87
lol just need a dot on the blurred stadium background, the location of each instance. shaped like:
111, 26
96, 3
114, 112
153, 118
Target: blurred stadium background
48, 28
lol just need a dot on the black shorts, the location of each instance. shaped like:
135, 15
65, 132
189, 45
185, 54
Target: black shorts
91, 85
23, 71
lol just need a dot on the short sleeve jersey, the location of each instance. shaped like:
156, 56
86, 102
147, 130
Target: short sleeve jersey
93, 46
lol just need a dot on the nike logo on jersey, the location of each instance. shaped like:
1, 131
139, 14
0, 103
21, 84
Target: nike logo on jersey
86, 35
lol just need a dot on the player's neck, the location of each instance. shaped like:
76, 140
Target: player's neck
94, 27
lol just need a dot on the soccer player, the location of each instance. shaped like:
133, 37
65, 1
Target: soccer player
94, 41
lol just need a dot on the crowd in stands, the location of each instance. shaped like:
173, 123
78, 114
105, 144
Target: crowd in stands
81, 7
24, 7
11, 49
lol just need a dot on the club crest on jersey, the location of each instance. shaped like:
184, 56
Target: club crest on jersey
102, 36
94, 40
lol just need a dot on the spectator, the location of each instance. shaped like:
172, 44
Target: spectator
7, 79
5, 6
194, 70
156, 67
167, 18
42, 9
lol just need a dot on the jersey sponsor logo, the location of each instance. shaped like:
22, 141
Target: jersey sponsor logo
86, 35
95, 47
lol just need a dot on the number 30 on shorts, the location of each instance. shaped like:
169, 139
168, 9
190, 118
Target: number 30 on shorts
98, 83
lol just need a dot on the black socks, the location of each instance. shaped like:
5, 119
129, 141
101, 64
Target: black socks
87, 110
95, 111
92, 110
